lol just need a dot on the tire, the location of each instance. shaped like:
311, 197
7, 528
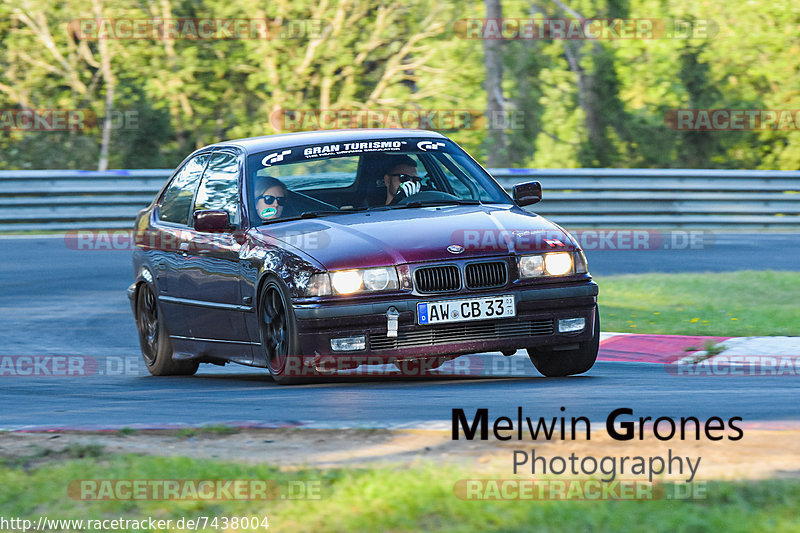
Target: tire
558, 363
278, 331
154, 339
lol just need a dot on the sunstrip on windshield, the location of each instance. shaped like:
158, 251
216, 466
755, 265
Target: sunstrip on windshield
318, 151
353, 148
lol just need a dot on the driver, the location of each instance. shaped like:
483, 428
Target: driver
401, 178
270, 197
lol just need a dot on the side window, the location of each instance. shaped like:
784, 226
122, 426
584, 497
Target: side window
219, 188
177, 199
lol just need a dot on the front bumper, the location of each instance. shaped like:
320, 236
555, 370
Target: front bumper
535, 324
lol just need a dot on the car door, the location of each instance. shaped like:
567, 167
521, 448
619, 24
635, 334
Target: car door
208, 277
165, 236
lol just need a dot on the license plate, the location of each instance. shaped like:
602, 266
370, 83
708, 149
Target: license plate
463, 310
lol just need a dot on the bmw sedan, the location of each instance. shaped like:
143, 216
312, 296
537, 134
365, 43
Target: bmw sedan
313, 253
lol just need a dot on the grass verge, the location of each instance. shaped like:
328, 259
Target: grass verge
734, 304
419, 498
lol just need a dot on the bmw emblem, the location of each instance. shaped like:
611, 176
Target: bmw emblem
455, 249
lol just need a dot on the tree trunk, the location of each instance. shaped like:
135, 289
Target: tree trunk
109, 82
495, 104
587, 99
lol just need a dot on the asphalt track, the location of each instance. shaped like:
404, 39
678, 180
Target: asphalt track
55, 301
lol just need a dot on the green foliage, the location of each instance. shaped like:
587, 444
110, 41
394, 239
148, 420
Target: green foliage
378, 55
207, 430
419, 498
697, 148
735, 304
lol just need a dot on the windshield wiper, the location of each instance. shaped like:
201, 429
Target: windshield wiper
315, 214
430, 203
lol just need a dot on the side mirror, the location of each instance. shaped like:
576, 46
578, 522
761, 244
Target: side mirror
211, 220
527, 193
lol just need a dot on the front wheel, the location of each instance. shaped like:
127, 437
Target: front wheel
279, 334
154, 339
559, 363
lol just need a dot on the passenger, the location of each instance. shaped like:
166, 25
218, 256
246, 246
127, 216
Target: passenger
270, 197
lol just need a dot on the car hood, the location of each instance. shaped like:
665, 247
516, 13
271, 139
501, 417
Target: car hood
377, 238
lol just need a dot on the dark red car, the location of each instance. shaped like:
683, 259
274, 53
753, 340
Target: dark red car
309, 253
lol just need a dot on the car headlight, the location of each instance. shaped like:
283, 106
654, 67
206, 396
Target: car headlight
531, 266
347, 281
552, 264
353, 281
558, 264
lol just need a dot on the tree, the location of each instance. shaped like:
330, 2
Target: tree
496, 110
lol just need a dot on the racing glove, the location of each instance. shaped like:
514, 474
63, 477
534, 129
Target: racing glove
409, 188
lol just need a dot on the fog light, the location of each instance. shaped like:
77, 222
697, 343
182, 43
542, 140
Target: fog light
350, 344
571, 325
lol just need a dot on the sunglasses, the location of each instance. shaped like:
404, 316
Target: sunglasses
268, 198
407, 177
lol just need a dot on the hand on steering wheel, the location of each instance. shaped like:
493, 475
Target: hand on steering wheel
409, 188
406, 190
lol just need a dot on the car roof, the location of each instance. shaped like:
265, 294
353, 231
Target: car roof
252, 145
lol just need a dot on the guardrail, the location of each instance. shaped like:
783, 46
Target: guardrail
640, 198
636, 198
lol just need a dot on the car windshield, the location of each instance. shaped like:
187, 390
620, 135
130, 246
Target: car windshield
336, 178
